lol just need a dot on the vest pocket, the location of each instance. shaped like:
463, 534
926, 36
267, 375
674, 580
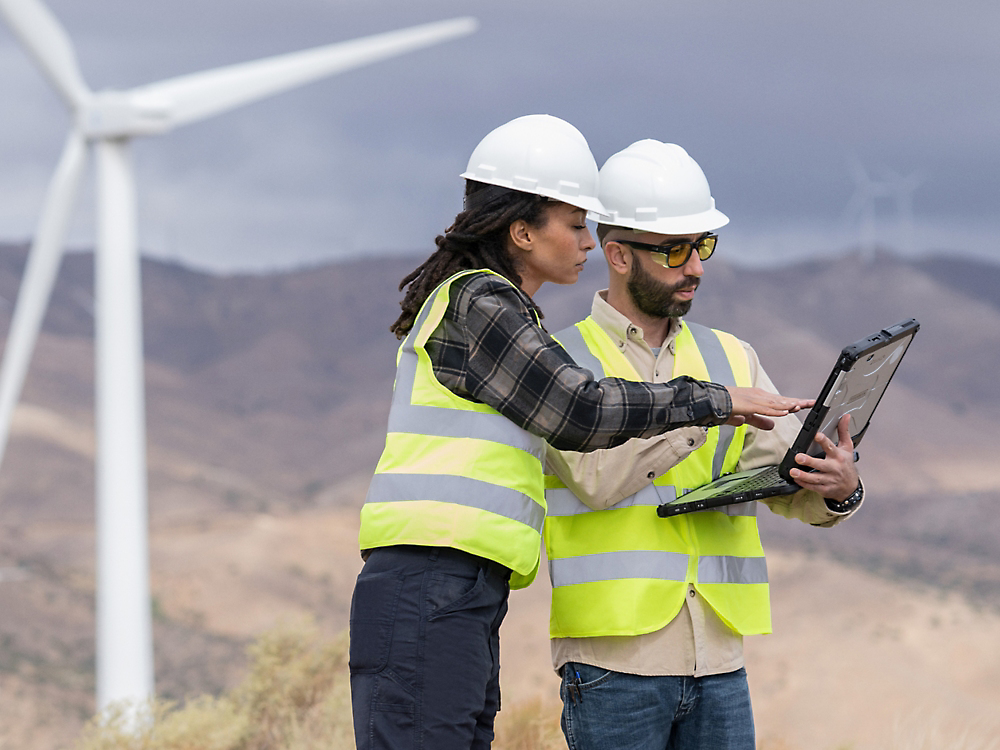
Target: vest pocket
373, 616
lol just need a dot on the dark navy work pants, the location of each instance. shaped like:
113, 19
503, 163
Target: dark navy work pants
425, 649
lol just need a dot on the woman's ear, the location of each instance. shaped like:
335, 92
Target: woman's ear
521, 235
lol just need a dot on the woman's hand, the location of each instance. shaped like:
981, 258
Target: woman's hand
753, 406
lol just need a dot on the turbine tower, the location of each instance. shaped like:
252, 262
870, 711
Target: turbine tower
106, 122
902, 189
861, 208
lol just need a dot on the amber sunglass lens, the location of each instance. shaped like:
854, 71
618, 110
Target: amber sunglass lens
679, 255
706, 247
660, 259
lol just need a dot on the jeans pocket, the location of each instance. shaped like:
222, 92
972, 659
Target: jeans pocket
450, 592
373, 615
585, 677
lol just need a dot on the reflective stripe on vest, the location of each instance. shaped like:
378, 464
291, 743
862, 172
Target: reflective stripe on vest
721, 372
729, 569
609, 566
395, 487
623, 570
454, 472
655, 565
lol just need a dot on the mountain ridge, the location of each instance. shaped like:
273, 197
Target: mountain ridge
267, 398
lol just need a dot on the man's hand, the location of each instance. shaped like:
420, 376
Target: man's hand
834, 477
753, 406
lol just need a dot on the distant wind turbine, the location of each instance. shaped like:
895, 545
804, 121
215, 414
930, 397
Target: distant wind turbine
106, 121
861, 208
902, 189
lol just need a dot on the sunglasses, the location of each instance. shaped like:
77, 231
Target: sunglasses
676, 254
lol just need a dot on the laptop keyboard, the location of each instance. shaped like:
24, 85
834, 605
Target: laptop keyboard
768, 477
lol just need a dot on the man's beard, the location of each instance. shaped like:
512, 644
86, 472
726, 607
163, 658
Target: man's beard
656, 299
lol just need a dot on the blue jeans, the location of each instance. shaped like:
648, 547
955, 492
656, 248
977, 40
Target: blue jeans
425, 649
603, 709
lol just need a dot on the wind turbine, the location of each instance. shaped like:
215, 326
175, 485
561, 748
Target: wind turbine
105, 122
902, 189
861, 208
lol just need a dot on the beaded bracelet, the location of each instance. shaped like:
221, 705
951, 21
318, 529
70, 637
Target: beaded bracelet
842, 506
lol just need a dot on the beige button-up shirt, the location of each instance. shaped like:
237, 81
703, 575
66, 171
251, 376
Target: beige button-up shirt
696, 642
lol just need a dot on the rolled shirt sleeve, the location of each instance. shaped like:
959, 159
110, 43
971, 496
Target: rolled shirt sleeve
605, 477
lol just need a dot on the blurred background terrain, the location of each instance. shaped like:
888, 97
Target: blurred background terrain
268, 395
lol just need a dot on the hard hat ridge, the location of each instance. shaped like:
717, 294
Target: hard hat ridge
657, 187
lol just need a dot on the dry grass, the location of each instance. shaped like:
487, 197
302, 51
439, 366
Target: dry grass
296, 697
930, 731
533, 725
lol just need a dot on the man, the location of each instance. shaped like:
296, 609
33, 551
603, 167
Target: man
649, 614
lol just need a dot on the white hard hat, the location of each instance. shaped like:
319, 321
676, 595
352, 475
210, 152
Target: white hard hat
656, 187
538, 154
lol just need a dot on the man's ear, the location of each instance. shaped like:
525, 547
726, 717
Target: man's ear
521, 235
619, 257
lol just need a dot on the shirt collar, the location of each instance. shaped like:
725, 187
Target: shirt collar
620, 328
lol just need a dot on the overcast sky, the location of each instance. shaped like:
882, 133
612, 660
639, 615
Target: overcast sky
776, 100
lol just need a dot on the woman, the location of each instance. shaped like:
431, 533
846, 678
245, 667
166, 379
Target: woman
454, 512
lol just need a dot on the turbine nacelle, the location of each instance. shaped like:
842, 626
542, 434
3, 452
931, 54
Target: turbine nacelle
116, 114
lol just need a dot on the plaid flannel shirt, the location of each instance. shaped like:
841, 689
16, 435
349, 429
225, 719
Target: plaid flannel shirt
489, 349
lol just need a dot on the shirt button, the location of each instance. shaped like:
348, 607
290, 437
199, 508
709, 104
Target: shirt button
651, 474
690, 441
691, 594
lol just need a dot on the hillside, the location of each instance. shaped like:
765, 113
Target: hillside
267, 404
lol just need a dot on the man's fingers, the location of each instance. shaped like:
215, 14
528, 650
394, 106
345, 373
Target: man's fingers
824, 442
844, 443
804, 459
844, 433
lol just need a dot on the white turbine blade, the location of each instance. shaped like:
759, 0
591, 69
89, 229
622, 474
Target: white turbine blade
858, 172
898, 183
39, 278
860, 198
200, 95
46, 40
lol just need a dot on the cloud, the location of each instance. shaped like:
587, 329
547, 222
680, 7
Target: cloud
773, 98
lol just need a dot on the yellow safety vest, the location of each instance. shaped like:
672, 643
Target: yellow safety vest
624, 571
454, 473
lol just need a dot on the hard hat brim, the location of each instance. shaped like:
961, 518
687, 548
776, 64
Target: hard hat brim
586, 202
706, 221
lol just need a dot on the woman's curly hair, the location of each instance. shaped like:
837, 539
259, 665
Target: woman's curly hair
477, 239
